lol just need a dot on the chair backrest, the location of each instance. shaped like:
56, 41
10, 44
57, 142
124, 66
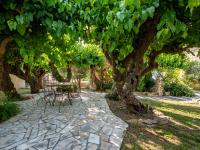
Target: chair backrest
49, 84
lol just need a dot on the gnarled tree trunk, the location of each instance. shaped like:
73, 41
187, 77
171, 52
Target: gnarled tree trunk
125, 85
6, 84
34, 84
34, 79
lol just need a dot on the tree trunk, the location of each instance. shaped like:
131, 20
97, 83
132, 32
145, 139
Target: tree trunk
34, 84
40, 84
34, 79
6, 84
69, 74
126, 92
56, 73
92, 77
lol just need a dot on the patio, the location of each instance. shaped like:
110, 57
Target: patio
87, 124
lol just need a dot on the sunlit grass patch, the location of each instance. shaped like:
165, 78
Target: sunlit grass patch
24, 91
181, 132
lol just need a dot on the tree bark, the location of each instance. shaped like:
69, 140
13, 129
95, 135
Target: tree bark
69, 73
34, 79
92, 77
34, 84
6, 84
55, 72
126, 89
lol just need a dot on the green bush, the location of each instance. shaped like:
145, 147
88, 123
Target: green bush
7, 110
146, 83
104, 86
178, 89
107, 85
113, 97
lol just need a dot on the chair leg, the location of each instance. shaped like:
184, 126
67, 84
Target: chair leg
70, 101
59, 106
45, 106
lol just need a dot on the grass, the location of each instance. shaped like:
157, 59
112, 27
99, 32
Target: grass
23, 91
182, 132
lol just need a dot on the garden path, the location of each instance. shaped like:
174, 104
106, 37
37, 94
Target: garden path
172, 98
87, 124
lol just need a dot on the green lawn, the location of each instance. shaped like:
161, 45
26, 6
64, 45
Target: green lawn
182, 132
24, 91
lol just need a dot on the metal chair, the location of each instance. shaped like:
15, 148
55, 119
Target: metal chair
54, 93
49, 91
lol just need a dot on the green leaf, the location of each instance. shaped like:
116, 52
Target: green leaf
112, 46
22, 51
20, 19
192, 4
49, 22
105, 2
13, 5
129, 25
159, 33
29, 17
135, 29
120, 16
61, 8
144, 15
21, 29
12, 24
172, 27
151, 11
51, 2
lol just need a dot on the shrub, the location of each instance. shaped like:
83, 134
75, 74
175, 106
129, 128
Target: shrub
107, 85
178, 89
193, 71
146, 83
111, 96
7, 110
104, 86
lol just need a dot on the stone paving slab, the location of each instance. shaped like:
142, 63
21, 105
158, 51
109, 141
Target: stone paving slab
86, 125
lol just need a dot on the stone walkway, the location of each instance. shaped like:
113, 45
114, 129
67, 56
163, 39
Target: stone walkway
172, 98
86, 125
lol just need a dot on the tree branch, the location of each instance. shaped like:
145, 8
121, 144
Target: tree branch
15, 71
144, 39
169, 49
108, 57
4, 44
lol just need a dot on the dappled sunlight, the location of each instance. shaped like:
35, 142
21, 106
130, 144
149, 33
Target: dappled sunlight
84, 98
186, 115
177, 127
183, 120
150, 145
159, 138
95, 110
168, 136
